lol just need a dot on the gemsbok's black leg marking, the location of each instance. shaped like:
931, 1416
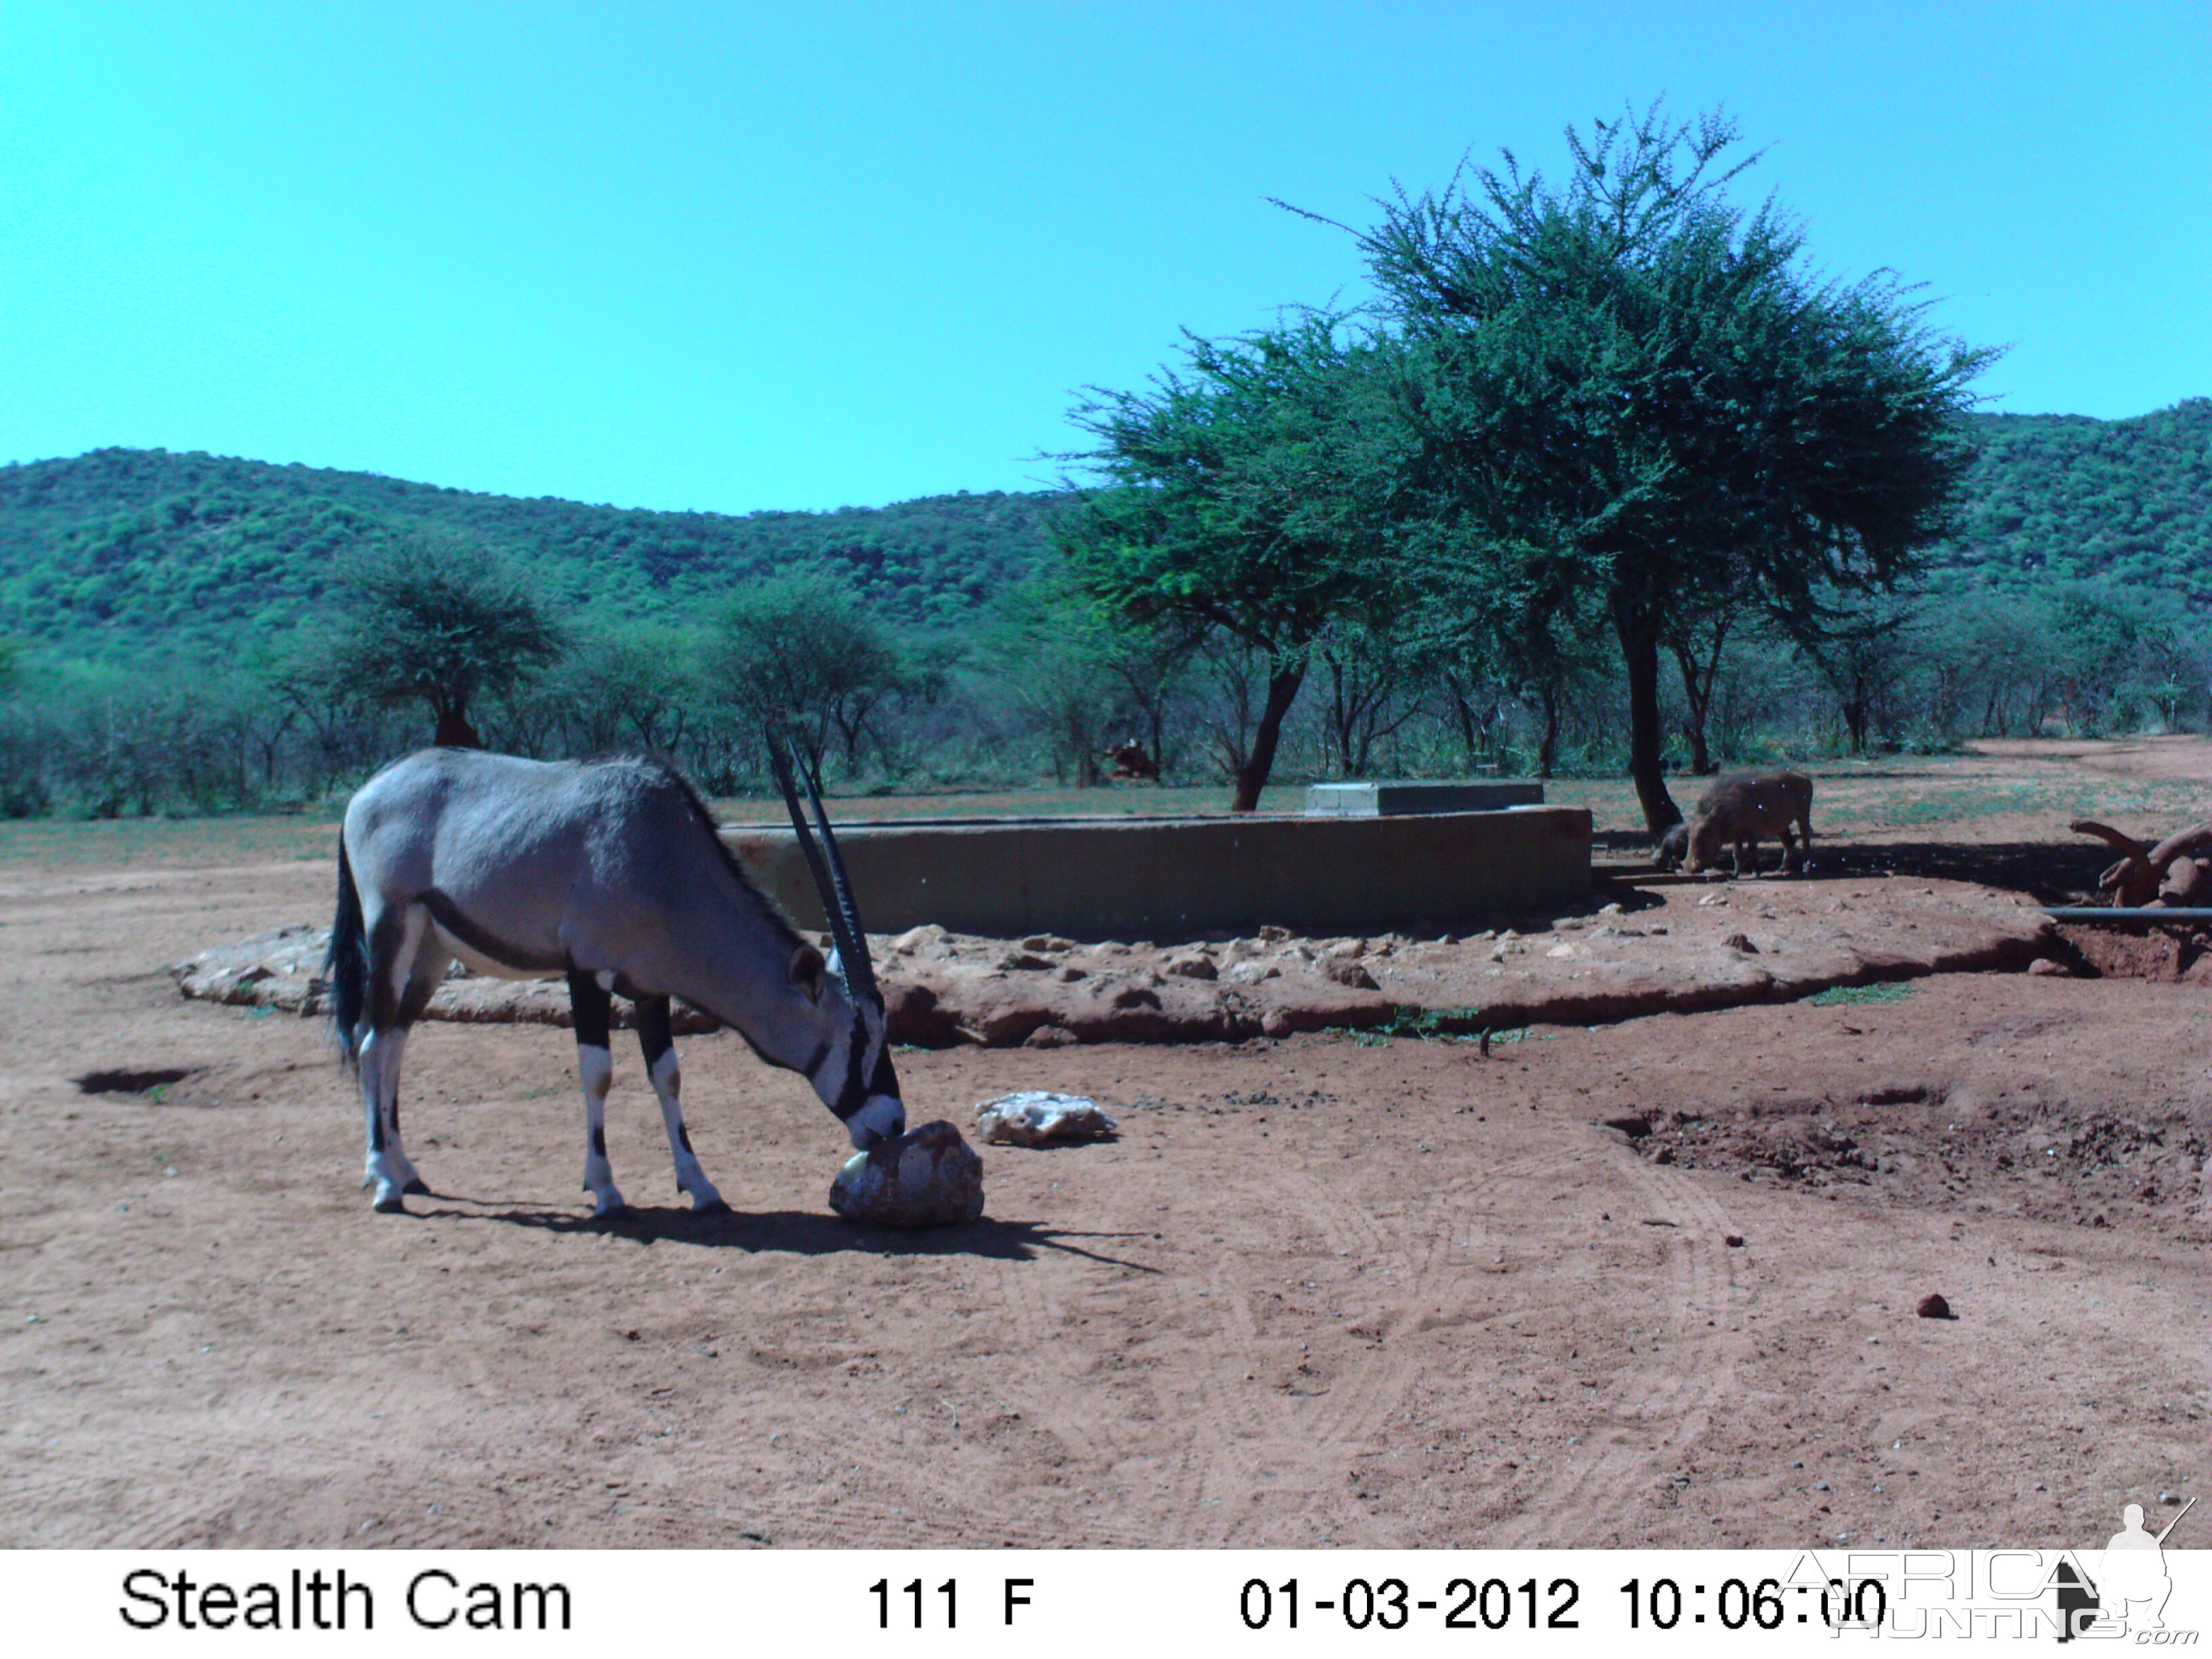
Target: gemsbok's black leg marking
658, 1043
396, 968
592, 1006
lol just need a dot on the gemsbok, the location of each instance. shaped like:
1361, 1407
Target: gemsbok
611, 872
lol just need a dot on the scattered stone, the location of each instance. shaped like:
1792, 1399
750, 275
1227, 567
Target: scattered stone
919, 938
1195, 965
1048, 942
1734, 1240
1251, 973
1274, 935
1612, 909
2050, 970
1025, 962
1039, 1117
1560, 953
928, 1178
1934, 1307
1346, 971
1050, 1037
1068, 973
1345, 950
1740, 942
1711, 899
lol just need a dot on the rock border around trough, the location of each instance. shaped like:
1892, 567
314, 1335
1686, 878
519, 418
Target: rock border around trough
1683, 950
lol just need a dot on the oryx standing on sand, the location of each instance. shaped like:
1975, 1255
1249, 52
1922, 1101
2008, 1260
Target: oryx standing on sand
611, 872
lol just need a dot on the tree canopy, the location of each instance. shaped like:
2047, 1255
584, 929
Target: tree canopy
802, 652
1248, 496
1624, 385
436, 622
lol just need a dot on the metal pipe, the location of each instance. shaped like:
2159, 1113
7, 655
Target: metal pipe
2101, 915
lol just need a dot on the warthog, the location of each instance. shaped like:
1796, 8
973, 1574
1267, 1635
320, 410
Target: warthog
1132, 765
1738, 811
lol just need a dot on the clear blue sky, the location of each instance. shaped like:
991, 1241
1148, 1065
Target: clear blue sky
741, 256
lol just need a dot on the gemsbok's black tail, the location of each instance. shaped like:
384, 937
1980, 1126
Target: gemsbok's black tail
346, 968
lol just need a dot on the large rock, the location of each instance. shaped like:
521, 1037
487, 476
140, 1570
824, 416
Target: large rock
929, 1177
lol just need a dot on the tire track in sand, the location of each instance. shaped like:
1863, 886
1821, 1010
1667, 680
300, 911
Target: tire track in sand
1663, 1408
1342, 1384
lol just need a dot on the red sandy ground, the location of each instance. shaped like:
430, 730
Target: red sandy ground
1322, 1291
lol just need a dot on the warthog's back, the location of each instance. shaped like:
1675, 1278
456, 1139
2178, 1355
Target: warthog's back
1745, 809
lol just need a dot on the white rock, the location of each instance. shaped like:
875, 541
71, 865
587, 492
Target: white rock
1036, 1117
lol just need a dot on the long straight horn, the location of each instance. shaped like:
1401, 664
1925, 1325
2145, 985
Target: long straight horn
852, 943
861, 971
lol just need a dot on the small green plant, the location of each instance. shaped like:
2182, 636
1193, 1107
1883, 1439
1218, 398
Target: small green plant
1456, 1025
1842, 995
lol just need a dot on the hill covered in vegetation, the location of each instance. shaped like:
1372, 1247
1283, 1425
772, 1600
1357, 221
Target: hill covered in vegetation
121, 553
2059, 498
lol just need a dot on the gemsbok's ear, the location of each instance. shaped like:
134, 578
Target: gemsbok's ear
808, 971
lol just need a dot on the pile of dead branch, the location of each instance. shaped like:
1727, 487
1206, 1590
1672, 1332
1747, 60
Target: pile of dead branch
2176, 874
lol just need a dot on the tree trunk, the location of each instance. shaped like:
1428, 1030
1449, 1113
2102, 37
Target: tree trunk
454, 730
1639, 651
1855, 710
1252, 776
1547, 746
1697, 701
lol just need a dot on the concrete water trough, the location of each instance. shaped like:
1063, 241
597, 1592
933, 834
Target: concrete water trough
1163, 879
1370, 800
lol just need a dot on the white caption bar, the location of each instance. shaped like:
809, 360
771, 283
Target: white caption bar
1084, 1601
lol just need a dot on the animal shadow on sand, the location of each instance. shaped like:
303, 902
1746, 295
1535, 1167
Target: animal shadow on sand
796, 1231
2052, 873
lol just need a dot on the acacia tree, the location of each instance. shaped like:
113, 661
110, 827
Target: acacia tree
430, 621
1247, 497
1624, 387
1697, 636
803, 652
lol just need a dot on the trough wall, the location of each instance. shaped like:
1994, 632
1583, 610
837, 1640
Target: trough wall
1163, 878
1368, 800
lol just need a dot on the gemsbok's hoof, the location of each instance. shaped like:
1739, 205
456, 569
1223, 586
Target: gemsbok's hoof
712, 1206
394, 1205
615, 1212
